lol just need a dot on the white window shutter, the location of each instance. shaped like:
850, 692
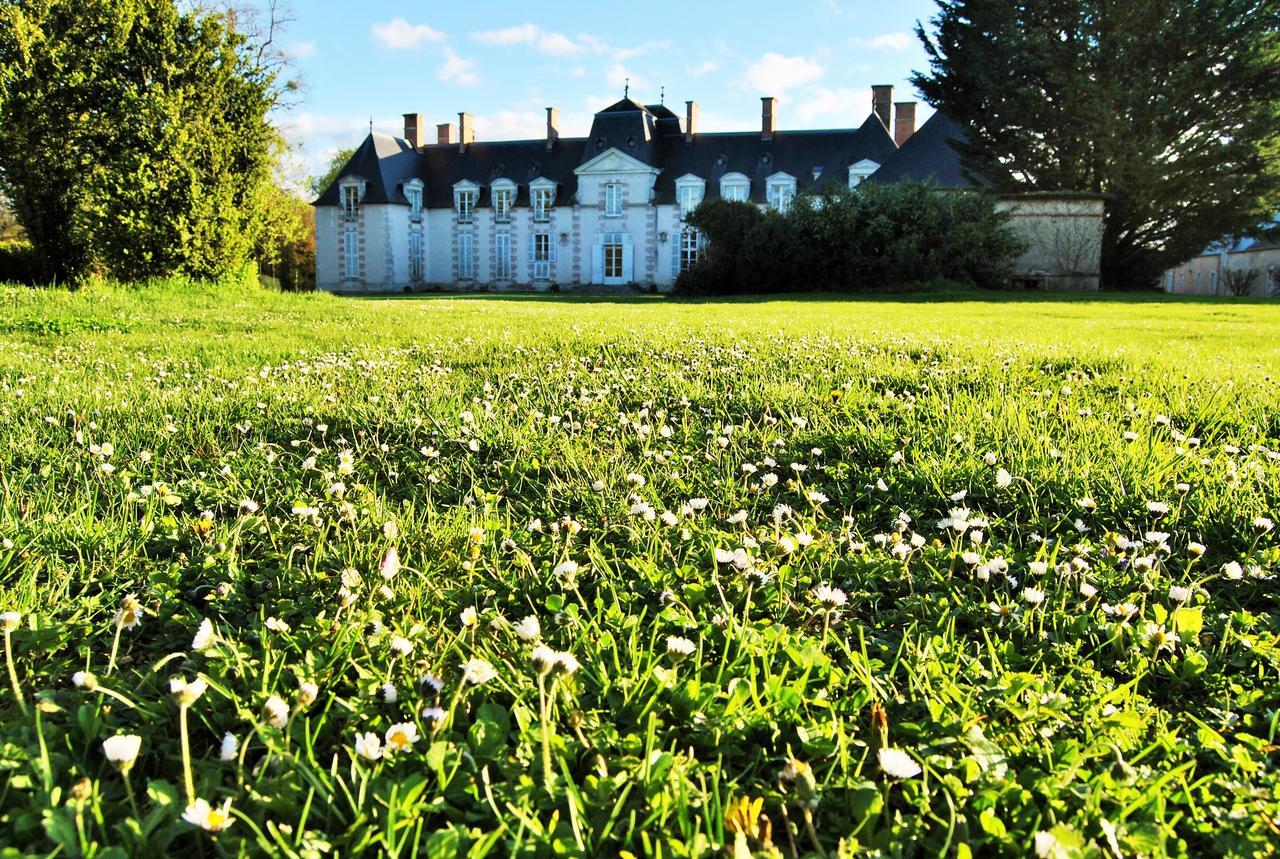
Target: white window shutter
597, 263
628, 262
551, 247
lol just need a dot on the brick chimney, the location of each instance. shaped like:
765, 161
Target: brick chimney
904, 121
690, 120
466, 131
768, 117
553, 127
882, 103
415, 127
444, 133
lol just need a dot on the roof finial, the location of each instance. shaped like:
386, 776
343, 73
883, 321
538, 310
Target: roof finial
626, 89
662, 95
371, 123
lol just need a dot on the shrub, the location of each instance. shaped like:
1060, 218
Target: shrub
877, 237
18, 263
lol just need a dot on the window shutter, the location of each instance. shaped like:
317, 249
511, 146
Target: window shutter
597, 262
551, 246
628, 262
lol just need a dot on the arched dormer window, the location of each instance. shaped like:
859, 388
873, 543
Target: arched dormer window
504, 199
542, 196
413, 193
735, 187
689, 193
465, 195
781, 189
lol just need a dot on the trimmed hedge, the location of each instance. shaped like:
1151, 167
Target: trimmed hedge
875, 238
18, 263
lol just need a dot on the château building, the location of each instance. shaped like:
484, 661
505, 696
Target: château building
608, 211
605, 210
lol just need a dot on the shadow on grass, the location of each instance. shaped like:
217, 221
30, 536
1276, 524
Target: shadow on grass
899, 296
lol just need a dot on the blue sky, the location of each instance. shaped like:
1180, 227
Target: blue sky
505, 62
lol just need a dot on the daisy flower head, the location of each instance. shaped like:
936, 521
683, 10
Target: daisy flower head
122, 750
187, 692
528, 629
368, 746
897, 764
276, 711
204, 636
401, 737
829, 598
478, 672
680, 648
208, 817
130, 613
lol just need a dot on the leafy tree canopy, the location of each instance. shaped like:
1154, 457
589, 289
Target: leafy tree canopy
134, 137
1170, 107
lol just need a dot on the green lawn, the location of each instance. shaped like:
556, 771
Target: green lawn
968, 575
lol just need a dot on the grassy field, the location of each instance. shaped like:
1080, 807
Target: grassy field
509, 576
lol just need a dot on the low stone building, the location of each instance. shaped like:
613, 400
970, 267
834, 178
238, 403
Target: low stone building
608, 210
1243, 267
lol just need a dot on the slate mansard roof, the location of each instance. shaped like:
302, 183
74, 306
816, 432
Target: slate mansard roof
653, 135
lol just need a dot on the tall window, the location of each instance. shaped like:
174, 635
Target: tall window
613, 259
350, 201
502, 256
502, 198
781, 193
690, 242
542, 256
415, 255
466, 204
351, 254
613, 199
466, 257
414, 195
542, 198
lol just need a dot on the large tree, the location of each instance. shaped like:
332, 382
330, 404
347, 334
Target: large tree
1169, 107
134, 136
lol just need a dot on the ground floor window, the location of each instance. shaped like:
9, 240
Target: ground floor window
351, 254
542, 256
690, 243
502, 256
415, 255
466, 257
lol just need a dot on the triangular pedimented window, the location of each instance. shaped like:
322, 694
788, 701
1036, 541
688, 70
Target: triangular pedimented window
615, 161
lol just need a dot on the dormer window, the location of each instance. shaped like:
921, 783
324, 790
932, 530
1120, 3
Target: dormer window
735, 187
350, 200
613, 199
464, 202
781, 191
413, 193
860, 171
504, 196
689, 193
543, 195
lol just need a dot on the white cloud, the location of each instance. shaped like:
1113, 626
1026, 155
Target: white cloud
399, 34
887, 41
552, 44
528, 124
457, 69
846, 106
774, 74
619, 76
299, 50
706, 67
317, 137
558, 44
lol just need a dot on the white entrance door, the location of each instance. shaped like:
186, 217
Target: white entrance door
612, 260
